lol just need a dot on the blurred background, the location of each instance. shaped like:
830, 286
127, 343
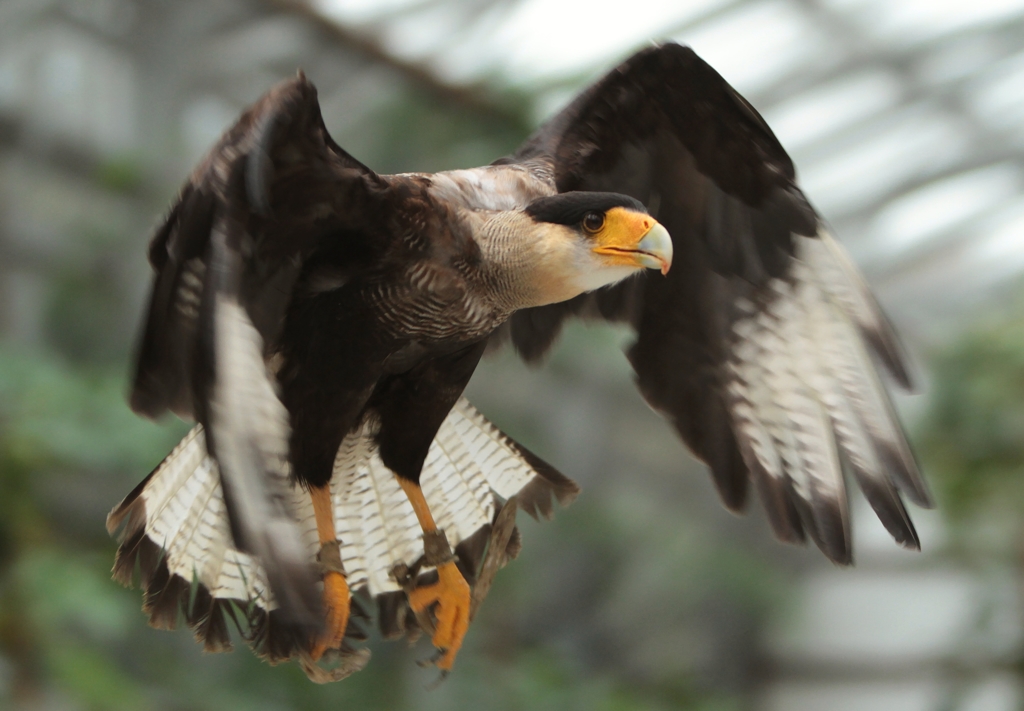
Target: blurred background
906, 121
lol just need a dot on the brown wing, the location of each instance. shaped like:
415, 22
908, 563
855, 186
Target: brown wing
276, 182
753, 344
226, 259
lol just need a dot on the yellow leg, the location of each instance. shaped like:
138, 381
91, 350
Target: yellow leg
450, 593
336, 592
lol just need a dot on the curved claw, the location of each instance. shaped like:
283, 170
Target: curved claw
440, 679
349, 662
450, 596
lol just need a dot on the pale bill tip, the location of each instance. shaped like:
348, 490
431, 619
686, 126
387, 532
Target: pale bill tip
656, 249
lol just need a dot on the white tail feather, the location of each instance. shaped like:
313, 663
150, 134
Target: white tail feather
503, 467
470, 466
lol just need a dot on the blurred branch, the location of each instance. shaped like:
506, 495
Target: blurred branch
58, 15
475, 98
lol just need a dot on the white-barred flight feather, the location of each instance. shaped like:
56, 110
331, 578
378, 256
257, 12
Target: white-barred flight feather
249, 431
805, 399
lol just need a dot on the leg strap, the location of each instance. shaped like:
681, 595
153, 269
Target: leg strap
436, 549
329, 558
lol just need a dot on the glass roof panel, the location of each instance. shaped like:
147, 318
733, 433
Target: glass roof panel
908, 142
757, 43
998, 97
1000, 254
906, 222
917, 20
815, 114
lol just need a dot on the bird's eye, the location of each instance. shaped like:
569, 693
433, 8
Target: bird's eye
593, 222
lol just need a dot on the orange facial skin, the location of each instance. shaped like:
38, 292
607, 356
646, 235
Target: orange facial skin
633, 239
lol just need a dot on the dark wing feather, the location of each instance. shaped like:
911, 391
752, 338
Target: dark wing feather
753, 344
285, 183
227, 259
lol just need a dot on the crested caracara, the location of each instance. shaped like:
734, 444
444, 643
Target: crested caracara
319, 321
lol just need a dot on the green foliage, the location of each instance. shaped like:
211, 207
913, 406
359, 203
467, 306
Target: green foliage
413, 132
973, 438
543, 680
122, 174
86, 313
55, 415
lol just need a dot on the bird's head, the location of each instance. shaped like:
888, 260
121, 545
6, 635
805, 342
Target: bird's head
586, 240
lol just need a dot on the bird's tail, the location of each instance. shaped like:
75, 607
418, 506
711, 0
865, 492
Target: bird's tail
175, 531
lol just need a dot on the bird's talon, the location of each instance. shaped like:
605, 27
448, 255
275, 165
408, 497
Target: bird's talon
432, 659
450, 598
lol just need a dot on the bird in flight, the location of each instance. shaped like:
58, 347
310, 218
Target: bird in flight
319, 321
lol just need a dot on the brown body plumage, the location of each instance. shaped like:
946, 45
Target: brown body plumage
302, 299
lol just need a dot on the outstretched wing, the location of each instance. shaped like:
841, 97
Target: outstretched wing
226, 259
758, 345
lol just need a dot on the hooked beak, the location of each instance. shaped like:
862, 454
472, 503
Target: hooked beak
634, 239
654, 251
